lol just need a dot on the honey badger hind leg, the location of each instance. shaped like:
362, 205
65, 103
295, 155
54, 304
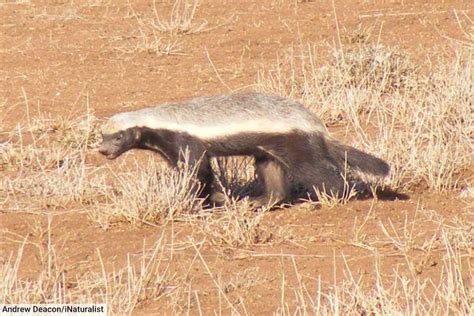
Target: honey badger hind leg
319, 171
274, 180
323, 177
308, 164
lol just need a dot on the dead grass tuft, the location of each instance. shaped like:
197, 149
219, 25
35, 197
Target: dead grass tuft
149, 194
236, 225
71, 181
416, 130
44, 142
156, 45
181, 20
146, 39
353, 75
45, 161
333, 199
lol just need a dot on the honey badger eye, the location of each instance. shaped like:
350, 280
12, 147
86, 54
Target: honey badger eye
119, 136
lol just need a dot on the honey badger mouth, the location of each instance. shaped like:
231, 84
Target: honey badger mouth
109, 155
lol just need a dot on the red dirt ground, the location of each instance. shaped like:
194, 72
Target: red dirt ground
59, 54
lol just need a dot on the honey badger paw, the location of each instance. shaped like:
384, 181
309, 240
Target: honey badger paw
217, 199
266, 202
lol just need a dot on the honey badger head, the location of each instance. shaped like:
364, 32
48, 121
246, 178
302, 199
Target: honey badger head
115, 144
117, 137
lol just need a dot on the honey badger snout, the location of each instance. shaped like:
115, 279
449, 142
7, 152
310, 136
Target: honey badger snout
105, 149
108, 149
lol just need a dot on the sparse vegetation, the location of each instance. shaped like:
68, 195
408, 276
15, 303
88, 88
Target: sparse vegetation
131, 233
236, 225
149, 194
395, 294
147, 38
145, 279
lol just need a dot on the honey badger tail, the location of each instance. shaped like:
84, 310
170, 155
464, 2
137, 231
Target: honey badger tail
357, 159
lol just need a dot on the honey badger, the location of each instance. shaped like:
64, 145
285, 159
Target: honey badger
287, 141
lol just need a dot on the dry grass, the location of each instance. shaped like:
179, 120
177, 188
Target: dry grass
149, 277
146, 39
43, 142
466, 25
156, 45
330, 199
415, 129
236, 225
181, 20
154, 195
409, 118
149, 36
72, 181
149, 194
235, 175
393, 293
121, 289
335, 89
46, 163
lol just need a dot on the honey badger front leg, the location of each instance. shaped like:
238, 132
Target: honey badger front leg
196, 156
204, 174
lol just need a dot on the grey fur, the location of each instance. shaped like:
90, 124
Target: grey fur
222, 115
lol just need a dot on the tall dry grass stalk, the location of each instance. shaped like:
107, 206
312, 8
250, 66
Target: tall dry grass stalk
422, 124
235, 175
181, 20
331, 199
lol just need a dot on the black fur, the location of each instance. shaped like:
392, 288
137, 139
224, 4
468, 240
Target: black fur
309, 160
